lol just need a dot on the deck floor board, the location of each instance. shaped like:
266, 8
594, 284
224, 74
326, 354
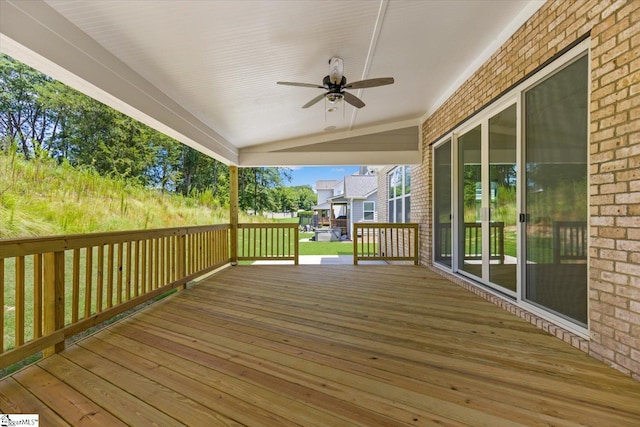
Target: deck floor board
322, 345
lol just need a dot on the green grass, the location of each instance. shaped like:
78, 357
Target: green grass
42, 198
287, 220
326, 248
540, 248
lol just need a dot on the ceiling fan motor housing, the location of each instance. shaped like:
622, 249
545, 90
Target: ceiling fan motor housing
334, 87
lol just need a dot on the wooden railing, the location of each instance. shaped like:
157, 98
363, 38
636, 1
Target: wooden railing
64, 285
385, 242
268, 241
472, 241
569, 241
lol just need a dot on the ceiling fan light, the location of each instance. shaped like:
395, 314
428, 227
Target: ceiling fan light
334, 97
336, 69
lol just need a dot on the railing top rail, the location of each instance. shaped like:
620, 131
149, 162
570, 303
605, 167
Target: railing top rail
386, 225
35, 245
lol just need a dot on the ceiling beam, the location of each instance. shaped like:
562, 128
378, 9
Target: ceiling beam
399, 143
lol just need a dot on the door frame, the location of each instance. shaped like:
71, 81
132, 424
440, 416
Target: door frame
514, 95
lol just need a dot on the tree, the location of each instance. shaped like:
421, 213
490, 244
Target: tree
304, 197
165, 172
24, 117
285, 199
43, 117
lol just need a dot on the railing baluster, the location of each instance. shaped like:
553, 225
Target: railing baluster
156, 264
110, 264
194, 252
120, 248
37, 296
75, 286
190, 253
19, 300
129, 271
100, 279
287, 243
203, 250
136, 270
172, 257
254, 242
144, 268
88, 279
296, 245
163, 244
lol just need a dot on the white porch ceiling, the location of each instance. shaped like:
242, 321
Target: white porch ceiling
205, 72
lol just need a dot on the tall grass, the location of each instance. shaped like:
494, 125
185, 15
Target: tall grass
41, 197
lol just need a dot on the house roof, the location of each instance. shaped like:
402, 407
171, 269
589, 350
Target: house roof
326, 184
205, 72
322, 206
359, 186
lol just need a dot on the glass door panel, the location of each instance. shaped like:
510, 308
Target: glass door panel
556, 192
470, 202
503, 256
443, 248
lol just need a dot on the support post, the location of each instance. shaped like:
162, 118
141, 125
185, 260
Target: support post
53, 298
233, 212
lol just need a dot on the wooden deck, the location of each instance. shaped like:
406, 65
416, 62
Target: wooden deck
322, 346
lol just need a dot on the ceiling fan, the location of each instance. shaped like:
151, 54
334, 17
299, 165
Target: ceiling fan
335, 84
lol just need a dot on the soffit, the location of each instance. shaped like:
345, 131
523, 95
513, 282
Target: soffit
205, 71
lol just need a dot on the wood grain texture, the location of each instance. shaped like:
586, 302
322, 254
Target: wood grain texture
325, 345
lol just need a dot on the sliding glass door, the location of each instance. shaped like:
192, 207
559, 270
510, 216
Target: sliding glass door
470, 210
511, 194
487, 203
443, 247
503, 208
556, 192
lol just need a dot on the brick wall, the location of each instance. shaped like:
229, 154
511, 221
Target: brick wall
613, 28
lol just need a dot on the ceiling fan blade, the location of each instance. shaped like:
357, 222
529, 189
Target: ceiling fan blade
300, 84
353, 100
380, 81
314, 100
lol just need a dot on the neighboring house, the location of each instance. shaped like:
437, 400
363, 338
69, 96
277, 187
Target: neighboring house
394, 194
324, 190
352, 200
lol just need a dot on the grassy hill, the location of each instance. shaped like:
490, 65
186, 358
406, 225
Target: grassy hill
41, 198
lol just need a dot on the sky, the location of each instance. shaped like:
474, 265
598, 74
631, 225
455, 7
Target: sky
310, 174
